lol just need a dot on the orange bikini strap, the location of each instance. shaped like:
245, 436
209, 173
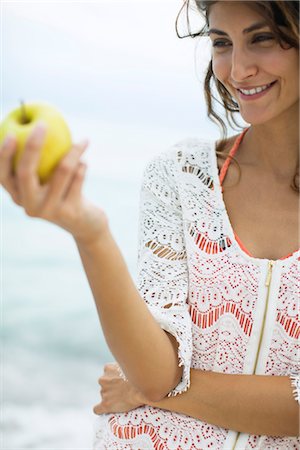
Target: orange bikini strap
231, 155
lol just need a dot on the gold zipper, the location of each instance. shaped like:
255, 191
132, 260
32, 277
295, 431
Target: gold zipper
237, 436
267, 284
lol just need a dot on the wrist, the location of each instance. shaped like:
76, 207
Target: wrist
96, 230
139, 398
88, 244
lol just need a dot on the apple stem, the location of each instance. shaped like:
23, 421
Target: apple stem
24, 117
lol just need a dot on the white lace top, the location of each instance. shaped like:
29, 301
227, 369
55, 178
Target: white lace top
230, 312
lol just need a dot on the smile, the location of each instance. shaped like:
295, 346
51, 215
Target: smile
247, 94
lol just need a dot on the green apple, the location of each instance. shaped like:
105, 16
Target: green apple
57, 142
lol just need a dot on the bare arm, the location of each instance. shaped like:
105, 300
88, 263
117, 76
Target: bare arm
146, 353
254, 404
130, 329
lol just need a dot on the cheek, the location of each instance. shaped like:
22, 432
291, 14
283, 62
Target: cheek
292, 70
220, 67
281, 63
270, 64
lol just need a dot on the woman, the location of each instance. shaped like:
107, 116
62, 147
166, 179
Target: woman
242, 248
210, 314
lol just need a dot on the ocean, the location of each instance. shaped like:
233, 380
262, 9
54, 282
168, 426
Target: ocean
52, 346
122, 78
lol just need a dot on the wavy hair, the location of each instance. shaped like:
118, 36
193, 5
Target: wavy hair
282, 18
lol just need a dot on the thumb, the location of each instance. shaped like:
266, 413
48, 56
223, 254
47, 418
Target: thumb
98, 409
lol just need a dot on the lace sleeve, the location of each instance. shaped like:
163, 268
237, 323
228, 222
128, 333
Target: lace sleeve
162, 265
295, 381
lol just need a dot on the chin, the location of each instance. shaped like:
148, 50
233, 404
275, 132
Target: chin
256, 119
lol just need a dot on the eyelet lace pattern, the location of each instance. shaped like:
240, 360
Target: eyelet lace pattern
201, 288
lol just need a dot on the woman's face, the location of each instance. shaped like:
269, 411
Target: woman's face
250, 59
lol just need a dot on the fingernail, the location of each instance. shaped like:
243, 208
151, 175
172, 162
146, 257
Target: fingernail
9, 139
40, 127
41, 124
84, 142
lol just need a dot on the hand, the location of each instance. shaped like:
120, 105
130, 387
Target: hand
117, 394
60, 200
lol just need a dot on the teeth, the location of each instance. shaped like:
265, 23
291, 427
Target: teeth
254, 90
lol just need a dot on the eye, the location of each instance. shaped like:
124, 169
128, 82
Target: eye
263, 38
260, 38
220, 43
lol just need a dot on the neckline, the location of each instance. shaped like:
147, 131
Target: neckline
220, 177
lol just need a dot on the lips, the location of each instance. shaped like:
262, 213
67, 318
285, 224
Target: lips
255, 95
254, 90
249, 88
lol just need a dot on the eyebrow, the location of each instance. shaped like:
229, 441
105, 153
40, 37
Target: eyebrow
255, 26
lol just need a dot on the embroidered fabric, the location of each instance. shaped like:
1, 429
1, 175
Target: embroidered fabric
205, 290
162, 260
295, 380
162, 263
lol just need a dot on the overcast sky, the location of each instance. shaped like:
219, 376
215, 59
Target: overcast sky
115, 60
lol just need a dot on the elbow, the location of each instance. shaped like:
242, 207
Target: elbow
156, 392
154, 395
159, 391
158, 386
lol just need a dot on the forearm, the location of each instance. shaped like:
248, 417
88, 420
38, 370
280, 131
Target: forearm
253, 404
147, 355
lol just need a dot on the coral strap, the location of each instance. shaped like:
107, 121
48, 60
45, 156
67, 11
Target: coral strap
231, 155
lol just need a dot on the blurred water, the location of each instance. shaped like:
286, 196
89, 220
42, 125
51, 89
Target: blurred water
129, 86
53, 349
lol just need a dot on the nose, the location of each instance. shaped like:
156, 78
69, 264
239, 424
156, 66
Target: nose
243, 64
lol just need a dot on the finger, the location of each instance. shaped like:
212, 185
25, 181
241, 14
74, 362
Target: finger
27, 178
7, 180
74, 191
101, 379
63, 177
98, 409
110, 366
105, 382
7, 150
102, 408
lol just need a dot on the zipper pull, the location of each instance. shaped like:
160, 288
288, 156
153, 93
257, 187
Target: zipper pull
269, 273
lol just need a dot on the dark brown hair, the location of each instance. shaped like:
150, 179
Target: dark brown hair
282, 18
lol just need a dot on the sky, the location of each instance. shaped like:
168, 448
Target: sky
121, 78
117, 72
118, 61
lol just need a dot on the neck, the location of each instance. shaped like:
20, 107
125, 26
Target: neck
273, 148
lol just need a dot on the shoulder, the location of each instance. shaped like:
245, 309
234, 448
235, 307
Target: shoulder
199, 150
223, 148
189, 150
187, 154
